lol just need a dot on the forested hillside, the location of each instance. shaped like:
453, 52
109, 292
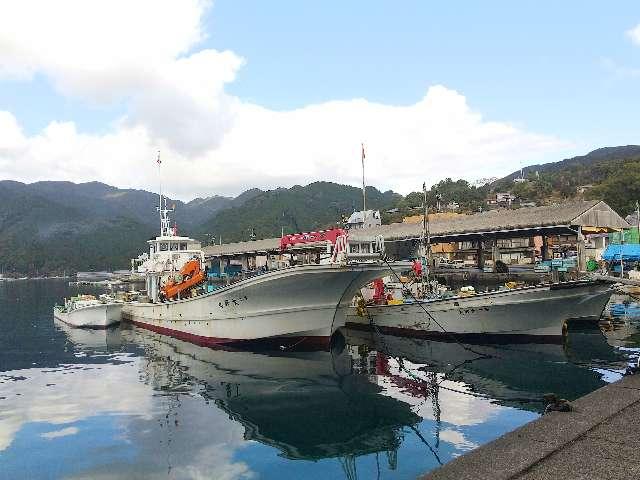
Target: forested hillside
611, 174
54, 226
50, 227
296, 209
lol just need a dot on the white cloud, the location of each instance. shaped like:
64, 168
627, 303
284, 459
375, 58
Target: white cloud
38, 398
618, 70
144, 54
634, 34
458, 439
138, 52
65, 432
437, 137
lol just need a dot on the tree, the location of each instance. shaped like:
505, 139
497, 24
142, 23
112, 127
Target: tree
620, 190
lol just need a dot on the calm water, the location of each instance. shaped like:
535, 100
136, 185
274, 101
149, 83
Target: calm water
128, 403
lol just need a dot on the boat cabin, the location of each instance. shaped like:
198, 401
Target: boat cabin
173, 244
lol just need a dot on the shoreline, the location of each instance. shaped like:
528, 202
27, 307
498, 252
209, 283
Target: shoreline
599, 438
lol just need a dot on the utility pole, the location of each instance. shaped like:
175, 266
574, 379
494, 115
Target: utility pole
638, 218
364, 191
621, 253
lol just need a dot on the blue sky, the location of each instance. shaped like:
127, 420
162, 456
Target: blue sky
540, 65
562, 75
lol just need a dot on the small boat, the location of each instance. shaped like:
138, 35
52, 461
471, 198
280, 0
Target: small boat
88, 311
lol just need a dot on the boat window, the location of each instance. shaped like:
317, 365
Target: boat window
151, 249
164, 247
174, 246
183, 246
365, 248
355, 248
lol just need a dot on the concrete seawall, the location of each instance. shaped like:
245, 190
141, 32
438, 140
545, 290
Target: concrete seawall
599, 439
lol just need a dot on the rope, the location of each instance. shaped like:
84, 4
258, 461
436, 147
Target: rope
289, 347
432, 318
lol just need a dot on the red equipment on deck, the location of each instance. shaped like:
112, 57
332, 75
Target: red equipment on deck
378, 291
192, 275
293, 239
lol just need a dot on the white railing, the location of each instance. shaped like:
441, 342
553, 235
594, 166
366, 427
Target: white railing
340, 249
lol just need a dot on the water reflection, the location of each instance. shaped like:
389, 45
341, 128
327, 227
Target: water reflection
129, 403
515, 375
308, 405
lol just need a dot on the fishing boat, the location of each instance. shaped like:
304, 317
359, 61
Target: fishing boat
303, 302
537, 313
88, 311
529, 313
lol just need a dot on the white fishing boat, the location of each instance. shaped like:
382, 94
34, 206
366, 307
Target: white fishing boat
304, 302
87, 311
535, 313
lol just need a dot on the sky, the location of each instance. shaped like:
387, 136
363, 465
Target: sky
239, 94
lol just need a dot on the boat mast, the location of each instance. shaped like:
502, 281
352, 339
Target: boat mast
159, 208
426, 234
364, 191
165, 222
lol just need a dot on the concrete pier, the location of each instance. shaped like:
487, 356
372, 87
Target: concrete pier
599, 439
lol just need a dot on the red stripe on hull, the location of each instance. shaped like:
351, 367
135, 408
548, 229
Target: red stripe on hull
297, 343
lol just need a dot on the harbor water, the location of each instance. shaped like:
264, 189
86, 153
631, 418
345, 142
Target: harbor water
130, 403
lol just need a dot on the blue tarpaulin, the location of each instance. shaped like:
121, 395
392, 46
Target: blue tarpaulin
630, 252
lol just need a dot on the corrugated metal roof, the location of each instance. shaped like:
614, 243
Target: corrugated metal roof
585, 212
267, 244
569, 213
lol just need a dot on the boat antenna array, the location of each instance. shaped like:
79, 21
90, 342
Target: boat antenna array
165, 221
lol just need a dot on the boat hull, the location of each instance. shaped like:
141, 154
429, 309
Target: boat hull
94, 316
533, 313
298, 303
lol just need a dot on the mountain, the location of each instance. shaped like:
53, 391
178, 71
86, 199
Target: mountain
598, 156
56, 226
296, 209
106, 201
38, 234
611, 174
